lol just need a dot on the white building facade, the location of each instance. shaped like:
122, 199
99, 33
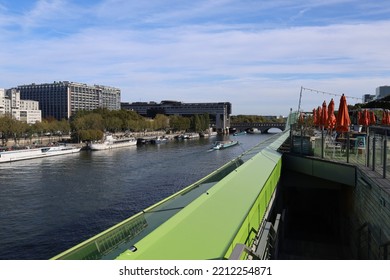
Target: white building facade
21, 110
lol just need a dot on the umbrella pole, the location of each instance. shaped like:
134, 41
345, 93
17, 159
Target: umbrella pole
322, 142
348, 146
368, 148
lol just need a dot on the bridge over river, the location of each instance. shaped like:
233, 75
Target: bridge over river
263, 127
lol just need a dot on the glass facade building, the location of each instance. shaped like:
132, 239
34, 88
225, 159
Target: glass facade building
219, 112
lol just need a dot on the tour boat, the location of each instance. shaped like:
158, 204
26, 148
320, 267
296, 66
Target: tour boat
110, 143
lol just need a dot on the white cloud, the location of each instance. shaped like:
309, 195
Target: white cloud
259, 70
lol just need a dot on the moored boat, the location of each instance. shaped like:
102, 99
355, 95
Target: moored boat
254, 131
25, 154
219, 145
239, 133
192, 135
110, 143
159, 140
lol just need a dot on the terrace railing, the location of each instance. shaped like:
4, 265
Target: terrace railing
368, 148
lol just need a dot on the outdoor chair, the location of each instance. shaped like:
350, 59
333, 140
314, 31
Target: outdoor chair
360, 145
331, 145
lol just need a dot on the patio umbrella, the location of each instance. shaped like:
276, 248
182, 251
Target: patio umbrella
387, 117
342, 120
384, 117
331, 121
372, 118
324, 115
360, 122
365, 118
315, 120
319, 114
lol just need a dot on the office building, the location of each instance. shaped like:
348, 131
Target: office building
382, 92
63, 99
368, 98
21, 110
219, 112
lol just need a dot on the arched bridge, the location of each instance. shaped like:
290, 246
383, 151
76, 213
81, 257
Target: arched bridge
263, 127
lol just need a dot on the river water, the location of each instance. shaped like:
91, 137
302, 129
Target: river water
51, 204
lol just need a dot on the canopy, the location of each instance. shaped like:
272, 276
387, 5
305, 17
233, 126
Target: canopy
343, 121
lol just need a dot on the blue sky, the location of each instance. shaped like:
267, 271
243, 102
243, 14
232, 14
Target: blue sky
256, 54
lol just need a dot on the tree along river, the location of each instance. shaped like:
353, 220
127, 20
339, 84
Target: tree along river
51, 204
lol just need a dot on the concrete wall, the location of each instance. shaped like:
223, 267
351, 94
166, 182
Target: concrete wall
364, 202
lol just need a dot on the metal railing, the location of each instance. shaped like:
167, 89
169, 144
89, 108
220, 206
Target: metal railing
265, 246
368, 148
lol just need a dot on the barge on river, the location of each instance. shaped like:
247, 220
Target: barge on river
24, 154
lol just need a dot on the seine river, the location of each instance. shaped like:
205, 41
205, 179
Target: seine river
49, 205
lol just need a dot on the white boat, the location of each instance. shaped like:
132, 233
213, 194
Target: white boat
191, 135
110, 143
219, 145
254, 131
25, 154
239, 133
159, 140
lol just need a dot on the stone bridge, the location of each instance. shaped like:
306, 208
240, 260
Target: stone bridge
263, 127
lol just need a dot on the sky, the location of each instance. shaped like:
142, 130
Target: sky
265, 57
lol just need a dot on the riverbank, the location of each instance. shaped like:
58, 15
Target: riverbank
50, 140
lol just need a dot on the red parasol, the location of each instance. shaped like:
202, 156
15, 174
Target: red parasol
342, 120
384, 117
372, 118
315, 120
387, 117
360, 119
324, 114
365, 118
331, 121
319, 115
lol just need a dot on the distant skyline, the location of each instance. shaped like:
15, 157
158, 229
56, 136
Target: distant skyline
255, 54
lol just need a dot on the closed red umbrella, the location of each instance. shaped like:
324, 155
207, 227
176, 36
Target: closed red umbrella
319, 114
331, 121
343, 121
360, 119
365, 118
387, 117
315, 120
383, 117
372, 118
324, 114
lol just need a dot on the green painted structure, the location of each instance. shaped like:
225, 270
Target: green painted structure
203, 221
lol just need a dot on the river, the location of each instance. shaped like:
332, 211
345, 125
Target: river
51, 204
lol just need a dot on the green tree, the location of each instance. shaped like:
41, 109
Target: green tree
5, 128
113, 124
179, 123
